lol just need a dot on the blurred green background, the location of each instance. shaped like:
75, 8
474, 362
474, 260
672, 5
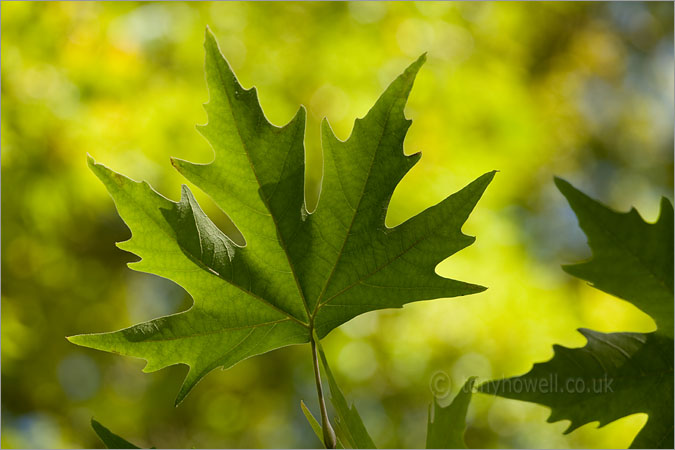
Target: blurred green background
581, 90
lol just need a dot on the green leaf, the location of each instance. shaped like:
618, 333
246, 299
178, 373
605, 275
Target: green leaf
446, 425
110, 439
316, 426
298, 271
615, 374
632, 259
349, 426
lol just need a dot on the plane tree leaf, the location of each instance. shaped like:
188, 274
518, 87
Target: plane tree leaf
615, 374
297, 273
447, 424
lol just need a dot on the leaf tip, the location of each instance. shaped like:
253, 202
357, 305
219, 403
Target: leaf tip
186, 193
93, 165
179, 400
577, 200
413, 68
301, 114
192, 378
470, 382
587, 333
327, 133
211, 45
183, 392
178, 164
567, 268
93, 341
563, 186
666, 208
491, 175
76, 339
577, 270
480, 184
478, 288
208, 34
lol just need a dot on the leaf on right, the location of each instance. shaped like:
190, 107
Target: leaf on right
615, 374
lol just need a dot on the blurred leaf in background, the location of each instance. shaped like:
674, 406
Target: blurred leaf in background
582, 90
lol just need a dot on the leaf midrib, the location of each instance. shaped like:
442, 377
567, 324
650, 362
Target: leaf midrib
218, 331
356, 210
262, 197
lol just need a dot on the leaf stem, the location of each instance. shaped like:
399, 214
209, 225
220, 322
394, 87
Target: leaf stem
329, 439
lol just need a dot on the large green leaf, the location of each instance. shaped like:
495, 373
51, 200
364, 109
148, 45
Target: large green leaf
447, 424
615, 374
298, 272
